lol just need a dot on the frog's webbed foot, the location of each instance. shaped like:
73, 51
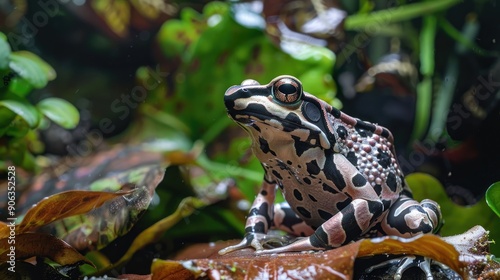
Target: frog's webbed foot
406, 262
257, 241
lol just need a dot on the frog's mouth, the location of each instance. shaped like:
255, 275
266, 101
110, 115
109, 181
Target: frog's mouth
253, 123
256, 113
250, 119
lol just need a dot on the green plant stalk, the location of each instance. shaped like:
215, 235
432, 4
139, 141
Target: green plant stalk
456, 35
443, 99
215, 129
444, 95
229, 169
165, 118
401, 13
424, 88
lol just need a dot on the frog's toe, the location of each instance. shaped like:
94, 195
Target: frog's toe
250, 240
300, 245
406, 262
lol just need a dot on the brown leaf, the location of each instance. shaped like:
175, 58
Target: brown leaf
41, 245
332, 264
4, 228
134, 277
427, 245
204, 250
170, 270
155, 232
60, 206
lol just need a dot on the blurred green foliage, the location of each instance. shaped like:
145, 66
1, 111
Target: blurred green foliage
21, 72
215, 52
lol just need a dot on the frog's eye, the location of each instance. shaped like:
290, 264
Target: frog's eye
287, 91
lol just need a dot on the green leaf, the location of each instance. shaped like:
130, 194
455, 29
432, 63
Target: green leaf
24, 109
17, 128
20, 87
493, 198
16, 151
4, 53
59, 111
457, 219
213, 47
6, 117
47, 69
31, 68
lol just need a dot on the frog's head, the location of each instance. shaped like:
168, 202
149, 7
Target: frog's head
283, 110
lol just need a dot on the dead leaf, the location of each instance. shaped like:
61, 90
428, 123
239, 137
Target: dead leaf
203, 261
155, 232
427, 245
332, 264
41, 245
60, 206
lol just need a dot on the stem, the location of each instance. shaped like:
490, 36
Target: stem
401, 13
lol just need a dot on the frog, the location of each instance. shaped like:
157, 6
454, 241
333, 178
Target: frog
339, 175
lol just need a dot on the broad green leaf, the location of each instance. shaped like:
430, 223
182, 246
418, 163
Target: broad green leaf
4, 53
457, 219
24, 109
59, 111
493, 197
30, 69
48, 70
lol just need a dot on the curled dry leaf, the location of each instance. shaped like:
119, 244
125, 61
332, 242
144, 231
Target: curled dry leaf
60, 206
155, 232
41, 245
456, 252
427, 245
333, 264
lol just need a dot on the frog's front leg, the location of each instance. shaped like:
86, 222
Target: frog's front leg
259, 220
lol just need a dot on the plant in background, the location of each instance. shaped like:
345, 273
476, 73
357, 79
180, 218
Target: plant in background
21, 72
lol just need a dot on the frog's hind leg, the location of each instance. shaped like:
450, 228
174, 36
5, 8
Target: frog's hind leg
339, 230
408, 217
287, 220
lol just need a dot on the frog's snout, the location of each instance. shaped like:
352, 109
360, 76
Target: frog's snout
232, 90
247, 82
250, 82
